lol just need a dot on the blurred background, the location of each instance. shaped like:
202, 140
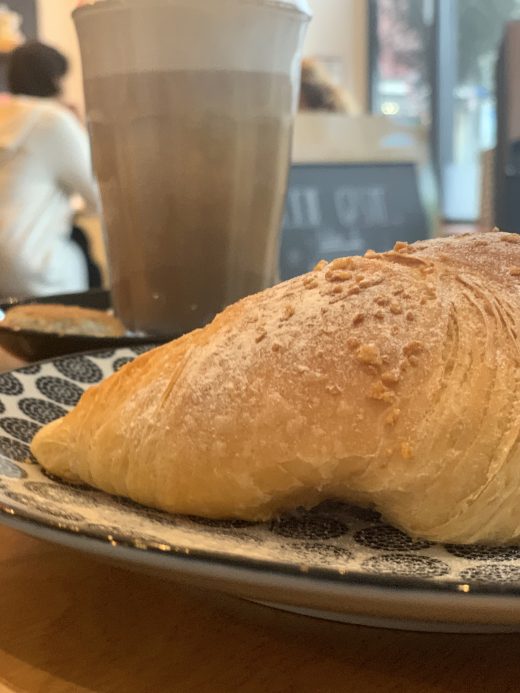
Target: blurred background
419, 138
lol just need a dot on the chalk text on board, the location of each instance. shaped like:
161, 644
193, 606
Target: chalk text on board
303, 210
363, 207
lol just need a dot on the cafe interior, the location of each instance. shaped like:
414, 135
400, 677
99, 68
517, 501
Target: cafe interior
403, 126
422, 91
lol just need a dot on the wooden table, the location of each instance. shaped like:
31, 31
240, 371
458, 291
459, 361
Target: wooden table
8, 361
69, 622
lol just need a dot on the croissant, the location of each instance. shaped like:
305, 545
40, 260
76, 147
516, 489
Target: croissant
389, 380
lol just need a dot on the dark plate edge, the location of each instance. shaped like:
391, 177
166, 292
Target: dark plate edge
90, 341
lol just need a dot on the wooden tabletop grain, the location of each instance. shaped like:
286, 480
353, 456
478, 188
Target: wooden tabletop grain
9, 361
69, 622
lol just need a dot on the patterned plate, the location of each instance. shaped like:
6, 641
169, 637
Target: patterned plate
335, 561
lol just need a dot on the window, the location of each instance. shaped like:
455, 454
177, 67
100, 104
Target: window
433, 62
402, 34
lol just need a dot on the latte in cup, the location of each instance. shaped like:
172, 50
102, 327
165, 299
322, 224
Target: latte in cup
190, 113
193, 169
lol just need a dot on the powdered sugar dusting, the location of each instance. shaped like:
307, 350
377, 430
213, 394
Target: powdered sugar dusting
312, 332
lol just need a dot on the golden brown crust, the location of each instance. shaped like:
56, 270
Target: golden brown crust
390, 380
61, 319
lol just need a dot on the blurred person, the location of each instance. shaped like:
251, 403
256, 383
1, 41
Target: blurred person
44, 160
38, 70
319, 93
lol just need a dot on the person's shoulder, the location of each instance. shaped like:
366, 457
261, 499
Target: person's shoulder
51, 112
54, 123
24, 119
48, 114
20, 106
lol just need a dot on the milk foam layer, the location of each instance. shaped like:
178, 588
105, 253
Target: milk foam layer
132, 36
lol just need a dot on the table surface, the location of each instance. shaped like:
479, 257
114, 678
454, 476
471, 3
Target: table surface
8, 361
69, 622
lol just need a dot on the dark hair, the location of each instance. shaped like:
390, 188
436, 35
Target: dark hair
35, 69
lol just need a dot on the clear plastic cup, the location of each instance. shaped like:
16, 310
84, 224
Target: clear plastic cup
190, 106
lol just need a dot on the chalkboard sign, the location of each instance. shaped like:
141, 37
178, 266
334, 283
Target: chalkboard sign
344, 209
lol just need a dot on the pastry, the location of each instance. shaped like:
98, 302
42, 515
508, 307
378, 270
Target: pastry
389, 380
60, 319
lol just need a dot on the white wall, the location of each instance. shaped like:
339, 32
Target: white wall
55, 27
338, 31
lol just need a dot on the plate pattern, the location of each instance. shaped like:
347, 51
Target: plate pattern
334, 539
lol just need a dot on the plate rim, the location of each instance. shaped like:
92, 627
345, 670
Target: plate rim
10, 514
502, 610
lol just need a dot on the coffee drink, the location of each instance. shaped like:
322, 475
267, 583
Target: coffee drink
190, 107
192, 167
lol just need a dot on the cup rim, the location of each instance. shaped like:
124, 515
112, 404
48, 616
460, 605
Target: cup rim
276, 5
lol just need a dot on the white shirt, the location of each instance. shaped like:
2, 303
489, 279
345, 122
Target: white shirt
44, 159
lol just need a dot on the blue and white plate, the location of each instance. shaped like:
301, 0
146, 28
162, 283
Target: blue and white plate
335, 561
